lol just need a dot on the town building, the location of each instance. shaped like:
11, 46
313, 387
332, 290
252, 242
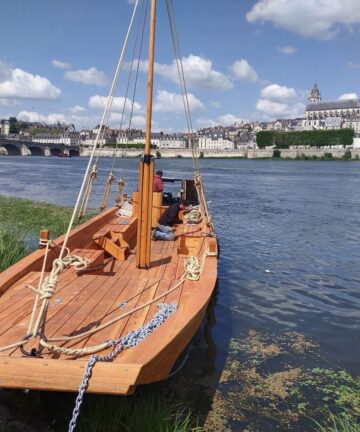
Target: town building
321, 114
5, 127
69, 137
215, 142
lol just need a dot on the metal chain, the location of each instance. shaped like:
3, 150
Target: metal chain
130, 340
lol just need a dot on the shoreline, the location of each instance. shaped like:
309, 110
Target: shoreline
328, 153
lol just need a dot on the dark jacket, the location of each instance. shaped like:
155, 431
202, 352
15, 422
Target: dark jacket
170, 216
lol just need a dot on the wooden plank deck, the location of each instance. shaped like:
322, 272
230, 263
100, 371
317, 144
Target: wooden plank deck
83, 302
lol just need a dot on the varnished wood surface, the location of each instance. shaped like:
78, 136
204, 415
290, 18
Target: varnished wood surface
83, 302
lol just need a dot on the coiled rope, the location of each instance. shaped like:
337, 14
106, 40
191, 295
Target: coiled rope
194, 215
193, 268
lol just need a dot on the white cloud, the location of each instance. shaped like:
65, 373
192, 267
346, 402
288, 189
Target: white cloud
276, 92
60, 65
317, 19
173, 102
229, 119
242, 71
89, 76
215, 104
288, 50
274, 110
198, 72
224, 120
99, 102
348, 96
31, 116
206, 122
140, 122
18, 84
278, 101
77, 109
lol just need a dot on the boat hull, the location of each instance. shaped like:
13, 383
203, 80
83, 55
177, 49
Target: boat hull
97, 298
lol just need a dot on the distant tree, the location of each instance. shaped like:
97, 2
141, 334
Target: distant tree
313, 138
347, 154
276, 153
201, 156
13, 125
158, 154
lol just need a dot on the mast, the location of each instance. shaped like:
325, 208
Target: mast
146, 165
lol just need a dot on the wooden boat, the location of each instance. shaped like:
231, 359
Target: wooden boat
119, 278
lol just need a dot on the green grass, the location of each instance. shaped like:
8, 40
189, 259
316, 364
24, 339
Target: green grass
28, 216
145, 413
12, 249
339, 423
20, 223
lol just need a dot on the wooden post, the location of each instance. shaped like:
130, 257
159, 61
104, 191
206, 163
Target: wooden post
146, 166
43, 238
135, 199
157, 208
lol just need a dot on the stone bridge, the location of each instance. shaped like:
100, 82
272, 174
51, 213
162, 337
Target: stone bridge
17, 147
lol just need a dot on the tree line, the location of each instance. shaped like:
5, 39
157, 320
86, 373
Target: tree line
313, 138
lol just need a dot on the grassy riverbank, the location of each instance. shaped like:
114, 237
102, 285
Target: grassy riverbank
20, 223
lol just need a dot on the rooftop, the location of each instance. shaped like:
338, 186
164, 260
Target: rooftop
333, 105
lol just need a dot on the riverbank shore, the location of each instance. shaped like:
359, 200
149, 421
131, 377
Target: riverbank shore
266, 153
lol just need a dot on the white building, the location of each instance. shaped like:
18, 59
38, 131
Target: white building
215, 143
4, 127
353, 123
172, 142
65, 138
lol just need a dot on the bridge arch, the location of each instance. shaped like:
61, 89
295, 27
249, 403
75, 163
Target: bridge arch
36, 151
12, 150
74, 152
55, 151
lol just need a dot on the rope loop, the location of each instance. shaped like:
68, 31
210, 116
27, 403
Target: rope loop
33, 352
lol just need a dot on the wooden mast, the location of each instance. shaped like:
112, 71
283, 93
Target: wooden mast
146, 166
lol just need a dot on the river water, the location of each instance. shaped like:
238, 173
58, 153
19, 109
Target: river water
289, 235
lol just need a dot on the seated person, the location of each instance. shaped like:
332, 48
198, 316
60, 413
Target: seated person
158, 185
170, 217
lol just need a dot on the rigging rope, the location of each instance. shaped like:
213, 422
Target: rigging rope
59, 264
87, 193
180, 69
194, 148
103, 121
142, 19
109, 182
119, 195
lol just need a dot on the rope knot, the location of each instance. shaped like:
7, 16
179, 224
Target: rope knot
48, 288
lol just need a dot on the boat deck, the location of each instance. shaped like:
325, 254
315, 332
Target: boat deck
85, 301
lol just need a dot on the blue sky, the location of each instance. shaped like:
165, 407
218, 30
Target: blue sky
253, 59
